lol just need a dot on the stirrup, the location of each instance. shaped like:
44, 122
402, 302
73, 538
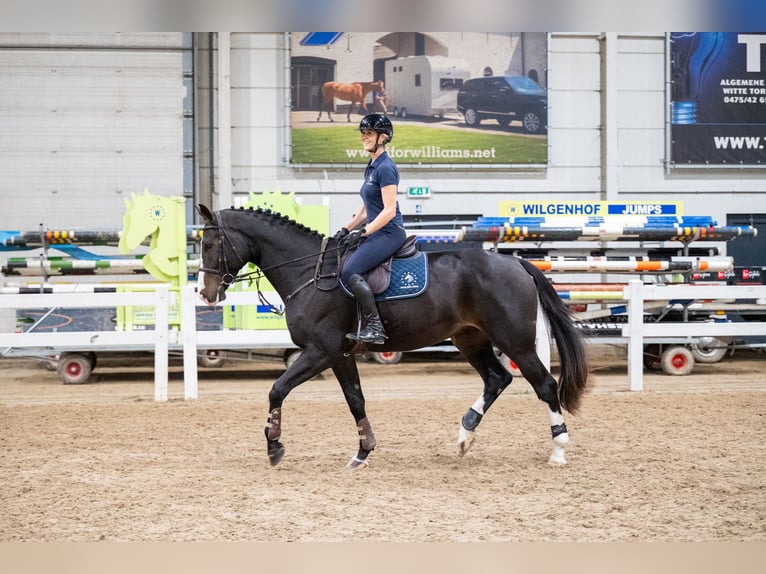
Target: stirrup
368, 336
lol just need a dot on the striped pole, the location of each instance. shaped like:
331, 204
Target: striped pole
606, 265
513, 233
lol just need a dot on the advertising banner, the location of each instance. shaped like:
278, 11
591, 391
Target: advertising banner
718, 98
611, 209
453, 97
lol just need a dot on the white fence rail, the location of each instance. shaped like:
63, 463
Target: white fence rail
636, 330
161, 339
156, 340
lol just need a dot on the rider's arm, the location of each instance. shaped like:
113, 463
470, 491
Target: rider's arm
358, 219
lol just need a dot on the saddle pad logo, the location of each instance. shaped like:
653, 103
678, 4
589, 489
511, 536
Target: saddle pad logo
409, 281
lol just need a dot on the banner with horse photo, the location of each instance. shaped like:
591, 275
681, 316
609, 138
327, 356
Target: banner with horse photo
718, 98
453, 97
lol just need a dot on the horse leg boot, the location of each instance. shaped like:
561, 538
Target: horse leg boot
373, 331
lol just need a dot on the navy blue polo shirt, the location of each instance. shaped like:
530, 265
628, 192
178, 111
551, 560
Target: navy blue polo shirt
377, 175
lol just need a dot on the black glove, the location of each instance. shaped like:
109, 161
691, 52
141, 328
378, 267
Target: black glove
342, 232
353, 238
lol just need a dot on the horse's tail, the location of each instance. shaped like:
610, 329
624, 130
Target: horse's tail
569, 341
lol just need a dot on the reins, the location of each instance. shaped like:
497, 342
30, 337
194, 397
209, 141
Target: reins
228, 278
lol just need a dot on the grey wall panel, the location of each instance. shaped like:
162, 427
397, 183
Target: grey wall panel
82, 128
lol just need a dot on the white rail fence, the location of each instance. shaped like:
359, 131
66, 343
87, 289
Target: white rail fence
160, 340
636, 331
156, 340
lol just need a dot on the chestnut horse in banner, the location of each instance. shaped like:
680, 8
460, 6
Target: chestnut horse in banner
354, 92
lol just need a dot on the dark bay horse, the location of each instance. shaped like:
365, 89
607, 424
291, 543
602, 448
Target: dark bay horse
354, 93
477, 298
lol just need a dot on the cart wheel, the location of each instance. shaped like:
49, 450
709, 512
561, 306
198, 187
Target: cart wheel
211, 359
291, 356
709, 349
387, 357
677, 360
74, 368
652, 358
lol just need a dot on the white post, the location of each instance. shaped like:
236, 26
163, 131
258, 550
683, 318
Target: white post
635, 297
161, 343
189, 340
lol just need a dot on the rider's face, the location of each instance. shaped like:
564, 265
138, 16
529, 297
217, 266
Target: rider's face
369, 139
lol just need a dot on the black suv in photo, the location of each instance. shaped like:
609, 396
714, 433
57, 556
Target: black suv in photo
505, 99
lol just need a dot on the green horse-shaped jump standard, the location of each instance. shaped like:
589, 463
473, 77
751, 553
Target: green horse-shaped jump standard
164, 218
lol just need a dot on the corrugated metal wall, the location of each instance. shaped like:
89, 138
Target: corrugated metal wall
86, 120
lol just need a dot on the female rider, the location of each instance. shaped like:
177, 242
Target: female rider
382, 232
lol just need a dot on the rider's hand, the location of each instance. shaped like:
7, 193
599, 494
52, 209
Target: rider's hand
353, 238
342, 232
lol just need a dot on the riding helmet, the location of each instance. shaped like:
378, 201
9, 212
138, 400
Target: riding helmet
378, 122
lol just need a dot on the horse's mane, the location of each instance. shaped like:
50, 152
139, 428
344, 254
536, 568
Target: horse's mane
276, 218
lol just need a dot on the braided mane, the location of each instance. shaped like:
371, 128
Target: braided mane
276, 218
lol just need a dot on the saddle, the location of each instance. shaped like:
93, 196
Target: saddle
379, 278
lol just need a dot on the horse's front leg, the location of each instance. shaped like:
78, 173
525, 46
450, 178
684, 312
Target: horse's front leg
309, 364
348, 376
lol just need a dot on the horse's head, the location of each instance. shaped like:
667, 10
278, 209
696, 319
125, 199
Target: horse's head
220, 258
143, 216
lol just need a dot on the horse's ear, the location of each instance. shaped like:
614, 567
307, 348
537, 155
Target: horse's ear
205, 213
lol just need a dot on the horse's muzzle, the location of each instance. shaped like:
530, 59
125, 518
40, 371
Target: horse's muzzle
220, 295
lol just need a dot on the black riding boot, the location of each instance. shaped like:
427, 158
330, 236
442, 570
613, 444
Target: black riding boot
373, 331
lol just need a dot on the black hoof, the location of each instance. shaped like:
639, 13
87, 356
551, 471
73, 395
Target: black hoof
276, 451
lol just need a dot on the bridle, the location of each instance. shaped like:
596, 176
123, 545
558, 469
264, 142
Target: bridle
228, 278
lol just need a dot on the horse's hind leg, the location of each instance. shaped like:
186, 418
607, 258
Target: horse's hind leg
546, 389
477, 349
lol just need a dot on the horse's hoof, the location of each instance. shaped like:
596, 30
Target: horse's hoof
465, 440
557, 456
357, 464
465, 446
275, 457
557, 461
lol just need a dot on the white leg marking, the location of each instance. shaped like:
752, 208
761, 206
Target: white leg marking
478, 405
466, 437
559, 442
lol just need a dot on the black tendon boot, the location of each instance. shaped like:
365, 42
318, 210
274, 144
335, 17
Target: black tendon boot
373, 331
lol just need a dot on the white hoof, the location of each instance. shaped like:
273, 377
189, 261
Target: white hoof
557, 457
357, 464
465, 439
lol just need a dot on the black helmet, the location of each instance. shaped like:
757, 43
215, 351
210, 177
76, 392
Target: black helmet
379, 123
